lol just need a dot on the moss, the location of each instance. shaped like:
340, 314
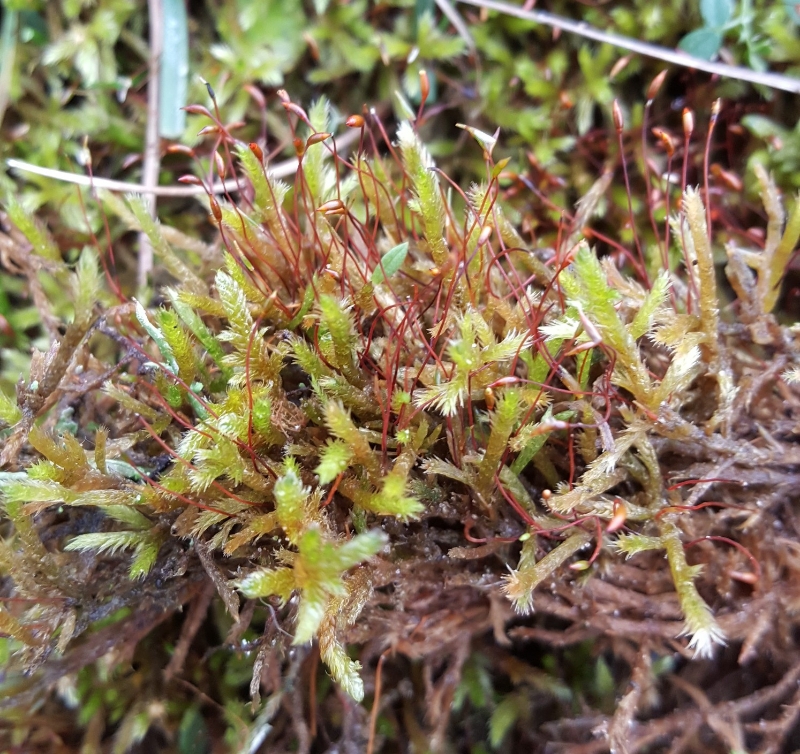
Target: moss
298, 429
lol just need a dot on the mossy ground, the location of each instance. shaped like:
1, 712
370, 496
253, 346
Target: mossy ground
381, 411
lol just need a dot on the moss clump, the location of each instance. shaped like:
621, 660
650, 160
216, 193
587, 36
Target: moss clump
374, 365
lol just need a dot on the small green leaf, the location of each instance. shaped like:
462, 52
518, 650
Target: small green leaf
487, 141
10, 413
193, 737
191, 319
310, 613
339, 324
87, 285
266, 582
105, 542
702, 43
391, 262
603, 680
499, 168
343, 670
427, 201
290, 500
763, 127
632, 544
716, 13
505, 714
305, 307
406, 112
127, 514
39, 237
655, 298
262, 416
358, 549
334, 458
144, 557
158, 336
392, 500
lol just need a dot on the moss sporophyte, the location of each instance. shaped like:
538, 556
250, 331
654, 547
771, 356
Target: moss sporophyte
380, 354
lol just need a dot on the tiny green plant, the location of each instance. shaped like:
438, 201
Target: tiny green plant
719, 20
706, 41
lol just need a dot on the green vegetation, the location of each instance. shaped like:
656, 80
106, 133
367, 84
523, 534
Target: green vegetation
498, 448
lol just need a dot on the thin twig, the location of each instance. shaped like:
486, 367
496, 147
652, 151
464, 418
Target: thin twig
582, 29
152, 155
373, 716
295, 704
192, 624
458, 23
281, 170
622, 720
